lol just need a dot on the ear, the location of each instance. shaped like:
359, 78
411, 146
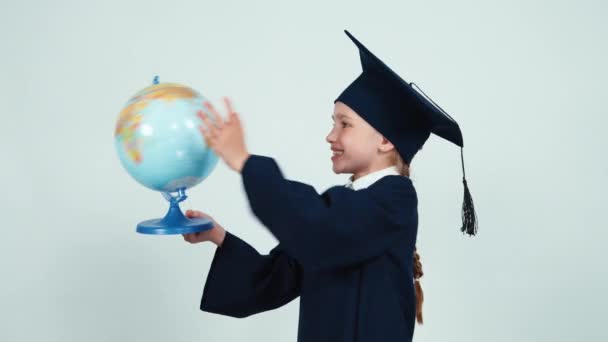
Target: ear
385, 145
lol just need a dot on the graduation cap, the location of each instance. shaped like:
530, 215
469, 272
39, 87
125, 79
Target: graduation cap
404, 114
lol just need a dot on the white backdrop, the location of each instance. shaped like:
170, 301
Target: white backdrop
524, 79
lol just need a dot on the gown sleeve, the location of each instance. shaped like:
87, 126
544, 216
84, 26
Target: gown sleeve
338, 228
242, 282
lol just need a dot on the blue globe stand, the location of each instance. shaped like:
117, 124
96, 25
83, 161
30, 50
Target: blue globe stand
174, 222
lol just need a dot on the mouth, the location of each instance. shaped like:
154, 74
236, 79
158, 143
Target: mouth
336, 154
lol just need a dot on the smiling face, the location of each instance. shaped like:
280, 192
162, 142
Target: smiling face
357, 147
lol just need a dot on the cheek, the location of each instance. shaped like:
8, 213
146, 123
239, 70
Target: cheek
353, 144
351, 138
361, 144
347, 140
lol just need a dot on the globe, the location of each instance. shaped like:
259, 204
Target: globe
159, 143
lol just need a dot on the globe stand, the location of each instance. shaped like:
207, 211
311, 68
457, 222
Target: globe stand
174, 221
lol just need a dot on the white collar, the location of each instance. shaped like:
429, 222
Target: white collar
371, 178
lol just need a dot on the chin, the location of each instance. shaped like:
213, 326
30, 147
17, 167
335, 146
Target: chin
338, 168
335, 168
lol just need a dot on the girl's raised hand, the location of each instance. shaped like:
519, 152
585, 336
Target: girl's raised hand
225, 138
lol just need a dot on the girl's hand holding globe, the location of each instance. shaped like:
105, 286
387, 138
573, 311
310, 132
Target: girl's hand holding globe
215, 234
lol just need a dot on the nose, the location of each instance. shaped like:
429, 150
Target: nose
331, 137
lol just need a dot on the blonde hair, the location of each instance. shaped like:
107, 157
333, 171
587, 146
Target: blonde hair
404, 170
402, 166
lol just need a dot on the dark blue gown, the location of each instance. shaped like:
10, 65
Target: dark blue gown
347, 254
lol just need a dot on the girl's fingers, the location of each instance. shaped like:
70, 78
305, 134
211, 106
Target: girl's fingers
192, 213
219, 123
195, 213
206, 121
209, 130
205, 136
234, 117
228, 104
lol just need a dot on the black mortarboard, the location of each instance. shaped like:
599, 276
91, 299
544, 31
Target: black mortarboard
405, 116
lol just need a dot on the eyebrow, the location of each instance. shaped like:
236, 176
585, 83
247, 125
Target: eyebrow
340, 115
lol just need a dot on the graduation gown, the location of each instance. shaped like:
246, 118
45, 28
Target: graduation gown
347, 254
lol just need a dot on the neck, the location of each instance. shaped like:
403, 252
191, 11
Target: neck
369, 170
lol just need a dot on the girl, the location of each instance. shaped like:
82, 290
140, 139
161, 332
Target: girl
348, 253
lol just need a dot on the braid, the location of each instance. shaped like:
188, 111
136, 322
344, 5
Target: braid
404, 170
419, 294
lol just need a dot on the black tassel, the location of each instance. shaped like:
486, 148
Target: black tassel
469, 217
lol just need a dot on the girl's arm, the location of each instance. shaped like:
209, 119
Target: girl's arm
339, 227
241, 282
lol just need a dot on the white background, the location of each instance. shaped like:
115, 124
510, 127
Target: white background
524, 79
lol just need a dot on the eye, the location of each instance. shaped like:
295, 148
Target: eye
344, 124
